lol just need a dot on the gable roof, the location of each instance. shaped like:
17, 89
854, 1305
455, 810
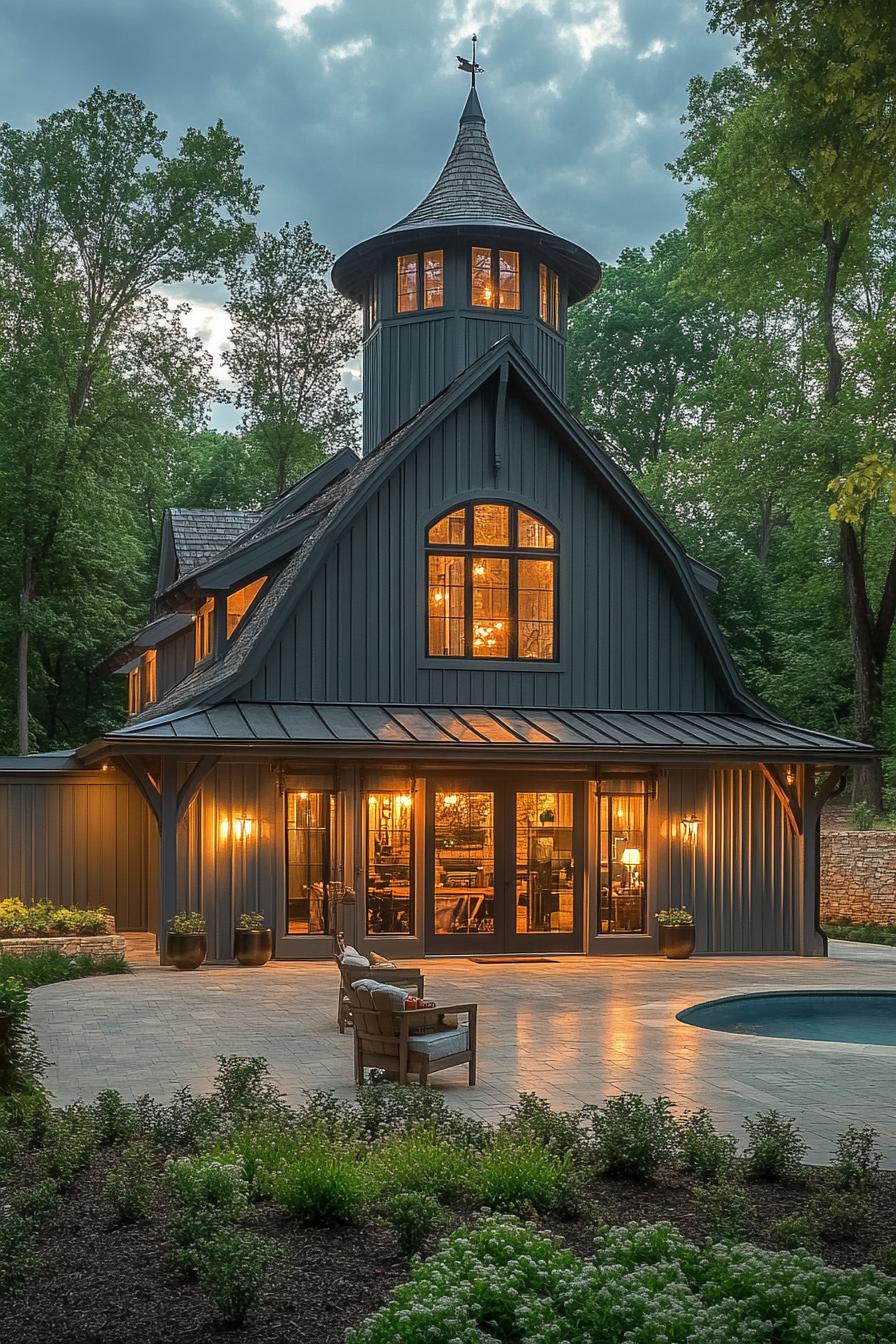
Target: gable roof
469, 194
334, 509
201, 533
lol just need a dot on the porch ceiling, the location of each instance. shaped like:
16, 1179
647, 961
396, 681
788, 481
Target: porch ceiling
416, 730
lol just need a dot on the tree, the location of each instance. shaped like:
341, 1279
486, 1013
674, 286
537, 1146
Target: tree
292, 336
634, 345
792, 162
94, 216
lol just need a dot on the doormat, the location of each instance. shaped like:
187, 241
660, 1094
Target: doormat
491, 961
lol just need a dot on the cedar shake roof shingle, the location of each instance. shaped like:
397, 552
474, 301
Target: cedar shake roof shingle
201, 533
470, 188
470, 195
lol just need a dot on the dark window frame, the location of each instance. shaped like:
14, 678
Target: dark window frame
549, 310
420, 306
496, 305
513, 553
607, 793
326, 862
369, 861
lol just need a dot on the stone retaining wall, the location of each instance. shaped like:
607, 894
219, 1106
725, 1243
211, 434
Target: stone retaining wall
98, 946
858, 876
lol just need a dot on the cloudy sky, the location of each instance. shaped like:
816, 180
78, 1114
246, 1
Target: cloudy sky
347, 108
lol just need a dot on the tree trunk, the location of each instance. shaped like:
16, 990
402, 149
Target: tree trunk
867, 785
24, 640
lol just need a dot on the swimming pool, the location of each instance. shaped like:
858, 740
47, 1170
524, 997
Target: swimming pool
864, 1017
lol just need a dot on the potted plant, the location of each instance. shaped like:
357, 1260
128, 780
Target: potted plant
253, 941
677, 932
187, 944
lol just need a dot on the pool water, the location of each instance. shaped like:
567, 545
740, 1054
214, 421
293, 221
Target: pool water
864, 1017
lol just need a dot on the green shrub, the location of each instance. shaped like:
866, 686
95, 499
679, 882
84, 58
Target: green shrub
116, 1121
37, 1203
322, 1182
886, 1257
130, 1188
840, 1216
645, 1284
863, 933
857, 1158
185, 1122
384, 1107
253, 920
420, 1159
415, 1216
863, 817
702, 1151
21, 1062
17, 1246
192, 1227
726, 1211
207, 1182
518, 1173
633, 1137
775, 1147
797, 1232
187, 921
49, 966
69, 1142
46, 920
260, 1150
233, 1268
243, 1086
533, 1117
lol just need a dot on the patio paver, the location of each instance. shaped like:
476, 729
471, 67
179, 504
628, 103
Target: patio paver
574, 1030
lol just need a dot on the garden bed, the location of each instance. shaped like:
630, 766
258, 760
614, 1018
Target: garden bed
317, 1195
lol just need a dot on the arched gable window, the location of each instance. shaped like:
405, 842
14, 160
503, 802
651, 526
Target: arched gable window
491, 584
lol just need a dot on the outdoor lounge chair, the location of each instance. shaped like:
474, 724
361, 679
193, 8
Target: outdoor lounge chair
407, 977
389, 1037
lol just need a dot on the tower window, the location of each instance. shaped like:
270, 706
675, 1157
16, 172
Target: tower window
491, 584
370, 313
548, 296
418, 272
494, 278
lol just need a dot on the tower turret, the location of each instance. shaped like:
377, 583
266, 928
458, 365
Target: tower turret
443, 284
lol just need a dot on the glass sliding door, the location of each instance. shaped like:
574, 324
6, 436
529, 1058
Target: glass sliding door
462, 903
622, 905
504, 866
307, 861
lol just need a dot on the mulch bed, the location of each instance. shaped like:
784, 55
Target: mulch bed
102, 1285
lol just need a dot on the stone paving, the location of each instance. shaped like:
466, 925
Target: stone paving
574, 1030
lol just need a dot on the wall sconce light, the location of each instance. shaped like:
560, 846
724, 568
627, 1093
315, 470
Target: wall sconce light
689, 827
241, 828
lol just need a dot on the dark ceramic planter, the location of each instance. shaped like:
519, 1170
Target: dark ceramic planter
253, 947
677, 941
187, 951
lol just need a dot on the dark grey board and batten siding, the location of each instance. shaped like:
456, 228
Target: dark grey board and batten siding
357, 633
83, 842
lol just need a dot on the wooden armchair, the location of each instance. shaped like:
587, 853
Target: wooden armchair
384, 1040
406, 977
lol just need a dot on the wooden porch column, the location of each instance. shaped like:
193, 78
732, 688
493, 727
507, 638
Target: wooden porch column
167, 849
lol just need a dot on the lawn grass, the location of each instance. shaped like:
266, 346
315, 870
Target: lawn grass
863, 933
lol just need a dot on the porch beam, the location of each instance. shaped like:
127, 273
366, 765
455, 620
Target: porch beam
786, 795
145, 783
193, 783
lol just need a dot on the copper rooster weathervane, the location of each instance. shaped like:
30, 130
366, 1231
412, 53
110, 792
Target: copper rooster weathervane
470, 67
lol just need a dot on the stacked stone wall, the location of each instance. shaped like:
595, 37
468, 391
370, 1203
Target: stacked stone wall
858, 876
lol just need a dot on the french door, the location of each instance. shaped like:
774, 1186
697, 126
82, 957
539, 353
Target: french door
504, 866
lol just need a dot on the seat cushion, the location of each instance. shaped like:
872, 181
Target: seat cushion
439, 1044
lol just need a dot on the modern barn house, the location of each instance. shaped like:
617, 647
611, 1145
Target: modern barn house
461, 695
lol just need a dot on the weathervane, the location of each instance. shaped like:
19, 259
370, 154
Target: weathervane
470, 67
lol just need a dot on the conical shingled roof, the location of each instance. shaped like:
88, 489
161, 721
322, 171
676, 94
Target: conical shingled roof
472, 200
470, 189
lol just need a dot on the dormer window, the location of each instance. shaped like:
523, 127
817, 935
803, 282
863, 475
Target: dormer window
238, 603
420, 281
494, 278
150, 684
134, 690
548, 296
204, 620
491, 584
